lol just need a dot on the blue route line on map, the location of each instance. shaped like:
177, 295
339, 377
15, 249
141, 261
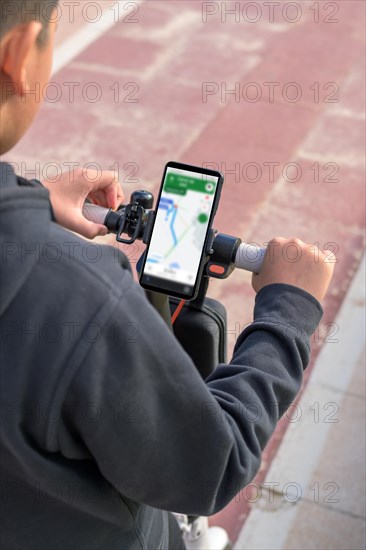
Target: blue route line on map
171, 226
168, 205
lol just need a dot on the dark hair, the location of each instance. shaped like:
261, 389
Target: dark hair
16, 12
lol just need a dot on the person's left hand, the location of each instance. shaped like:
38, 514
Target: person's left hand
69, 192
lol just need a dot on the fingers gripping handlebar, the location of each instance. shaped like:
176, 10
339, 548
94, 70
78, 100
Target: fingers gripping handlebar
135, 219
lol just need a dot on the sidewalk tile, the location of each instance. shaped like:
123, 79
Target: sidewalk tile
351, 95
345, 446
319, 528
336, 139
357, 385
336, 191
120, 52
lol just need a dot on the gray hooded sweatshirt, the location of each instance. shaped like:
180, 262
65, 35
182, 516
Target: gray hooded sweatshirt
105, 421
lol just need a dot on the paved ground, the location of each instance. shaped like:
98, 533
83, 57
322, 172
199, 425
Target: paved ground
313, 494
273, 95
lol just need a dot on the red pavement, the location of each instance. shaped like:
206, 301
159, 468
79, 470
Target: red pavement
151, 109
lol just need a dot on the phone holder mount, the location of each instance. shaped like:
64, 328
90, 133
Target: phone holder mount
137, 219
221, 252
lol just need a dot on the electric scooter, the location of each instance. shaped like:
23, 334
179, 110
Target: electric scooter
224, 253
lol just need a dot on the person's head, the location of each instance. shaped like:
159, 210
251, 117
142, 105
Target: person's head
27, 29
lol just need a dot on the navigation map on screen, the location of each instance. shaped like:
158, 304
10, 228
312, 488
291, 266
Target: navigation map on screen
181, 225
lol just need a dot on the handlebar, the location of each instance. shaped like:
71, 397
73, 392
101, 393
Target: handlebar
95, 214
249, 257
242, 256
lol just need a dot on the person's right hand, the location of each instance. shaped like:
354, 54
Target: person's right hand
293, 262
69, 192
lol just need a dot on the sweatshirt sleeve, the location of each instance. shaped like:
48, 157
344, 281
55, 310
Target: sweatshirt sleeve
164, 437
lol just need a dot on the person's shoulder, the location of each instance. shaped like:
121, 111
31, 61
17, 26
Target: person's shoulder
86, 263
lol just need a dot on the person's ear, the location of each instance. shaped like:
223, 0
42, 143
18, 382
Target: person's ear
15, 49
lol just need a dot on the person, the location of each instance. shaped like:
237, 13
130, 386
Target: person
106, 423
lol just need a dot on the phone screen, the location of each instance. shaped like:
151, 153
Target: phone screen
184, 215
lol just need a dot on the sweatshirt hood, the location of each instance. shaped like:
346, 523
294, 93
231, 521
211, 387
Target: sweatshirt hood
25, 217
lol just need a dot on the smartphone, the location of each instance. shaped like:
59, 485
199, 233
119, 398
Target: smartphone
176, 254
